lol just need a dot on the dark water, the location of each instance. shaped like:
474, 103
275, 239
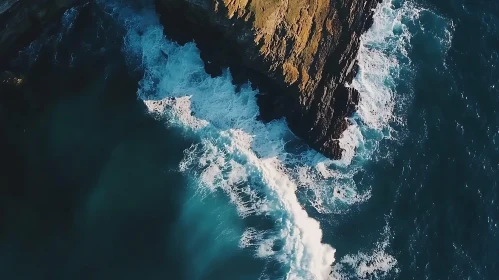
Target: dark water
440, 186
445, 207
91, 186
88, 185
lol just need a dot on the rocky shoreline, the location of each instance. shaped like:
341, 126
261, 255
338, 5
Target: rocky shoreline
301, 54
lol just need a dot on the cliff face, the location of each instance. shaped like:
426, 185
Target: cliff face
23, 20
300, 53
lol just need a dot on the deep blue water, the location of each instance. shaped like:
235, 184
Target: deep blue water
122, 163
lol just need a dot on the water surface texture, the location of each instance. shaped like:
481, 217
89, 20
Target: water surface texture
126, 163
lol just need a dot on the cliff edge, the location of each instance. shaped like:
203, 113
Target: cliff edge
301, 54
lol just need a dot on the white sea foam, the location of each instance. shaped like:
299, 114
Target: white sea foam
247, 160
234, 147
368, 264
383, 52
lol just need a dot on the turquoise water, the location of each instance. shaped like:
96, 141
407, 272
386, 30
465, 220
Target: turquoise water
123, 163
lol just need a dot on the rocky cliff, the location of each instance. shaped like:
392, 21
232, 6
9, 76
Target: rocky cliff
300, 53
22, 20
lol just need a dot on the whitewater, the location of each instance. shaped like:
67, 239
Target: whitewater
251, 161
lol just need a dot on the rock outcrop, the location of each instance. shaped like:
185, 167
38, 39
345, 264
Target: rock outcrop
300, 53
22, 20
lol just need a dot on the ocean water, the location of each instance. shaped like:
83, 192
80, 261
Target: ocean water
126, 163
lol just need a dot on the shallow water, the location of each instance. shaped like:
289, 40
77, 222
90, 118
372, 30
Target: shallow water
126, 164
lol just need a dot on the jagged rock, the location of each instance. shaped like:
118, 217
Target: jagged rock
300, 53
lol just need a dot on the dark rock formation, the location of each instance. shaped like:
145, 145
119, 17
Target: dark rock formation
300, 53
21, 21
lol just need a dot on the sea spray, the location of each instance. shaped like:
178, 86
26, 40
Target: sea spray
247, 159
233, 129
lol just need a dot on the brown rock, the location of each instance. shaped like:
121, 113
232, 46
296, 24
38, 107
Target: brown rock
300, 53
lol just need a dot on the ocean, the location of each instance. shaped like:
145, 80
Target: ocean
126, 160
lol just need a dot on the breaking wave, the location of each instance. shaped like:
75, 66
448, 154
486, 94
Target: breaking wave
250, 161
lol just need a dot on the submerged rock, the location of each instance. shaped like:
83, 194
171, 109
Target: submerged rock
301, 54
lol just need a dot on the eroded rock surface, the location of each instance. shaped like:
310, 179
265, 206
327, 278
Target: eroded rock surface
300, 53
